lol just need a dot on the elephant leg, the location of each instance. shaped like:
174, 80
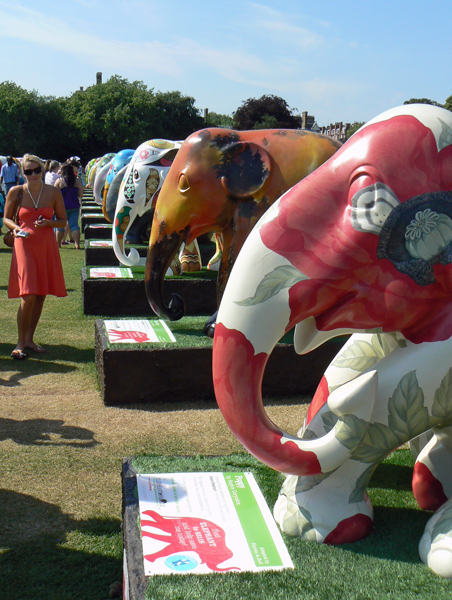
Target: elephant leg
435, 547
214, 262
359, 353
190, 258
432, 477
333, 507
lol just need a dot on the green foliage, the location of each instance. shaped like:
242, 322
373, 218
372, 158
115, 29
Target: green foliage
29, 122
448, 103
104, 118
423, 101
354, 128
266, 112
217, 120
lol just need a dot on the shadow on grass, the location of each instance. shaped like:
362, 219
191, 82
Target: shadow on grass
396, 535
399, 477
51, 361
46, 432
35, 564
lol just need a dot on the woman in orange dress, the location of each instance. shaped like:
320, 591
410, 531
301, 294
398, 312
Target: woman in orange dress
36, 268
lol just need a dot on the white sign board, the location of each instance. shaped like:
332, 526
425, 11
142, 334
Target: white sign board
138, 331
100, 243
110, 273
207, 522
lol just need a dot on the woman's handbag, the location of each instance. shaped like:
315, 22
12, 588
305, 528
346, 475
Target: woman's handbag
8, 238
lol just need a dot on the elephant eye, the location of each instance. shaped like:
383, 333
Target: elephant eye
371, 206
184, 185
136, 174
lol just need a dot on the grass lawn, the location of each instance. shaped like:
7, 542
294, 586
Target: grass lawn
61, 451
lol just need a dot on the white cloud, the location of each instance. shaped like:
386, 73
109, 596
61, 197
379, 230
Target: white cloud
281, 27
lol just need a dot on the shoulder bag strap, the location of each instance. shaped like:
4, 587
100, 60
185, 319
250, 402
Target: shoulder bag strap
18, 204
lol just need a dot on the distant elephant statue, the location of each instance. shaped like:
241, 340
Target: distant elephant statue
223, 181
90, 165
362, 246
138, 193
101, 176
116, 170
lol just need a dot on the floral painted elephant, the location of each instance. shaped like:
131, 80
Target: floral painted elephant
363, 245
139, 190
116, 170
223, 181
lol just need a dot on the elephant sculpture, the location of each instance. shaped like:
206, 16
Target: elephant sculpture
139, 190
362, 246
115, 172
96, 169
99, 181
223, 181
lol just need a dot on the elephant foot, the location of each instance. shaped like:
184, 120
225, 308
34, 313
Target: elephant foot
322, 509
435, 547
432, 478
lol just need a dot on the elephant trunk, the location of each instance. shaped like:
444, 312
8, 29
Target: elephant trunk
159, 257
254, 314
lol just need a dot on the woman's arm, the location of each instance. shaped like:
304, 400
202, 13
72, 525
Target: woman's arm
9, 210
60, 212
80, 187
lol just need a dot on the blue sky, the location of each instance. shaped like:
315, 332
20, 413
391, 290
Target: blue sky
340, 61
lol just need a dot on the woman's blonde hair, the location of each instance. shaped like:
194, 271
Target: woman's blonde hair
32, 158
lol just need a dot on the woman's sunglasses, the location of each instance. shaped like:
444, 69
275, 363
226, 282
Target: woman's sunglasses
31, 171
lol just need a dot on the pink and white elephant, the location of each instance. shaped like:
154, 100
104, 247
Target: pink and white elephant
363, 245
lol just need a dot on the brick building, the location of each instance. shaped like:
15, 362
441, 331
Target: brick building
338, 131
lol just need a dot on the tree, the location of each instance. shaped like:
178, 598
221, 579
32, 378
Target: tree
354, 128
217, 120
118, 114
259, 113
176, 115
423, 101
29, 122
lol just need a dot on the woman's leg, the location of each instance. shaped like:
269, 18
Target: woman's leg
35, 316
76, 236
24, 317
59, 236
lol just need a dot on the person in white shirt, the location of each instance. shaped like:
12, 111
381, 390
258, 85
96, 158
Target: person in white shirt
53, 174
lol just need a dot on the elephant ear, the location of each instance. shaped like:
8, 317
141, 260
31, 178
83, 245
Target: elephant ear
245, 168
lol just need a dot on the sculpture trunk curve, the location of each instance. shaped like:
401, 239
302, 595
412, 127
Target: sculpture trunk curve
159, 257
250, 323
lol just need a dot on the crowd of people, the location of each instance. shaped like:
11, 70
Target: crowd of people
48, 200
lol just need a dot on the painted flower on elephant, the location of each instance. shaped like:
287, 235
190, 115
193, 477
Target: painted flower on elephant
374, 242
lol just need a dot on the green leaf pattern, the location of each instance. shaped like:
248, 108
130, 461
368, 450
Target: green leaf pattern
298, 521
445, 138
362, 354
361, 484
442, 403
306, 483
281, 277
408, 417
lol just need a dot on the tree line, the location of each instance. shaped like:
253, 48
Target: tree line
118, 114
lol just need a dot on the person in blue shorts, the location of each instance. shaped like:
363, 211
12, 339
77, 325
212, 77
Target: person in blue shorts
72, 190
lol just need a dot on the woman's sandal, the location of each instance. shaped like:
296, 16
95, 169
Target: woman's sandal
18, 354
